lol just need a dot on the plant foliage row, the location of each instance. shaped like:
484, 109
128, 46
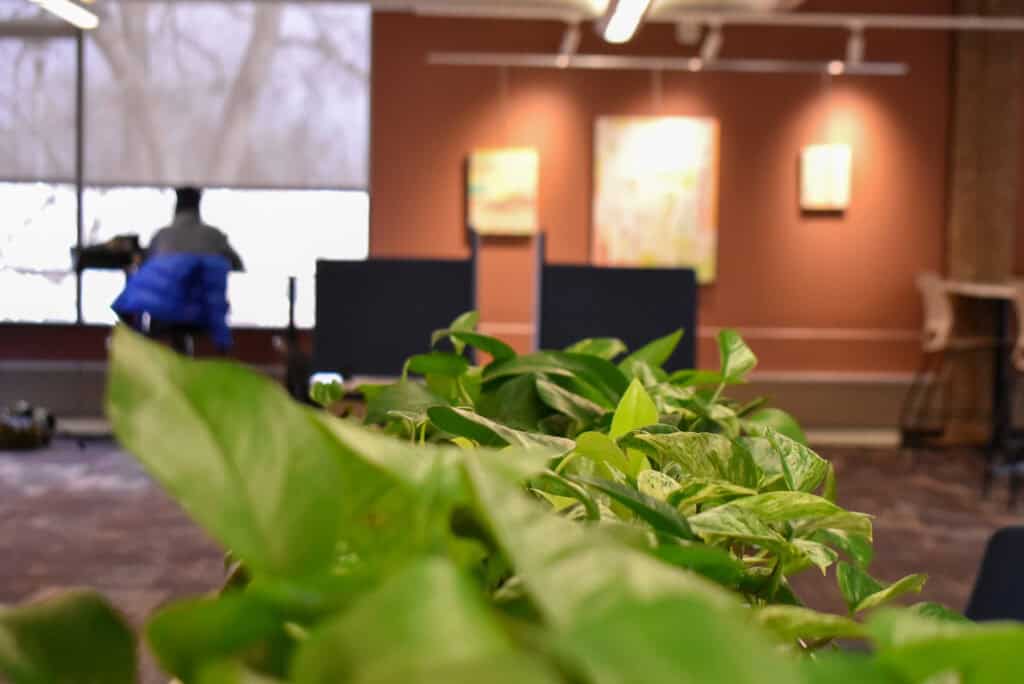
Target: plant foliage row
550, 517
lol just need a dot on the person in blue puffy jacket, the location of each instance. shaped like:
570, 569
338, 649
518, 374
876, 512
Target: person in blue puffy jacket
181, 287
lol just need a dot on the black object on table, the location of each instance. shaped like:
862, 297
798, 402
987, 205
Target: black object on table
117, 254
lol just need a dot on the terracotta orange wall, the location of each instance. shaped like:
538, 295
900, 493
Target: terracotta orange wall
813, 293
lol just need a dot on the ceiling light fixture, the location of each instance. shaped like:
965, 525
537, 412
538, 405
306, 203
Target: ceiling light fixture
570, 44
622, 19
855, 45
688, 32
75, 15
712, 45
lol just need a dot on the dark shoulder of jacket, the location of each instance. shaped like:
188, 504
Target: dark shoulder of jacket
214, 230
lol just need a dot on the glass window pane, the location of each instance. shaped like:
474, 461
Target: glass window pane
99, 290
37, 109
258, 301
109, 212
37, 231
257, 94
305, 301
286, 231
19, 9
280, 233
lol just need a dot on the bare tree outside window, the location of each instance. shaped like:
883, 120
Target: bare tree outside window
228, 94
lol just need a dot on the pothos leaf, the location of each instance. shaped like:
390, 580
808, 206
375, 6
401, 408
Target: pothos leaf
74, 638
655, 353
600, 448
790, 623
635, 410
782, 422
498, 350
445, 364
699, 455
326, 393
736, 358
656, 485
856, 546
568, 403
802, 469
863, 592
657, 514
471, 425
727, 522
406, 395
606, 348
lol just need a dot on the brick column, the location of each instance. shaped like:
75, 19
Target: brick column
983, 187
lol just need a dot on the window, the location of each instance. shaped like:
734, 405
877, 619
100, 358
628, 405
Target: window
37, 231
38, 223
280, 234
266, 104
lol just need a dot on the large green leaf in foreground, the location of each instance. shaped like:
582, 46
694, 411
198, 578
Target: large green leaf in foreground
248, 463
426, 623
622, 616
76, 638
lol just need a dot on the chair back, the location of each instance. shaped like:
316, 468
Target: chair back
999, 589
938, 312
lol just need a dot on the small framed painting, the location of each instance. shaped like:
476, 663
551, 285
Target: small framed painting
502, 191
825, 177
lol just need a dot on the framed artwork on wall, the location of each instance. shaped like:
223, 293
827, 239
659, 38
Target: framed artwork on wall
656, 192
502, 191
825, 177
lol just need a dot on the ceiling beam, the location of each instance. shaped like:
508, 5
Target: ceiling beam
910, 22
633, 63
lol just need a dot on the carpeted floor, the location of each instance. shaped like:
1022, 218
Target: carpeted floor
91, 517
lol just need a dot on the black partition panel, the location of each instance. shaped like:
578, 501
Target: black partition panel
372, 315
634, 304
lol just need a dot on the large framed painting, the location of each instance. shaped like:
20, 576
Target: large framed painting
656, 192
502, 192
